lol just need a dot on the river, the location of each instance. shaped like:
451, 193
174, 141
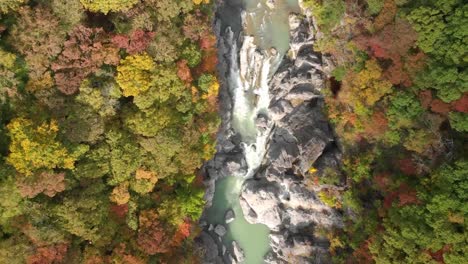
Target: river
266, 41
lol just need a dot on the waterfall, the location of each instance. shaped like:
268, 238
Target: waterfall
249, 86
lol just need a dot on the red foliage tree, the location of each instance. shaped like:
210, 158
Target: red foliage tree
208, 64
392, 43
407, 166
183, 231
376, 125
389, 198
85, 52
439, 254
153, 237
362, 254
122, 255
440, 107
119, 210
425, 97
386, 15
134, 43
48, 255
207, 42
383, 181
407, 195
37, 35
461, 105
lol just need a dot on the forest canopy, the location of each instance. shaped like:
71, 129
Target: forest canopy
399, 107
108, 110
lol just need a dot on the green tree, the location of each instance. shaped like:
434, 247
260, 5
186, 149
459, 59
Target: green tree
459, 121
95, 163
442, 34
166, 87
327, 13
439, 221
102, 97
186, 202
149, 122
374, 6
192, 54
12, 203
85, 214
403, 110
125, 156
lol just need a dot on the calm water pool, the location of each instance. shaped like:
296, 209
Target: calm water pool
253, 238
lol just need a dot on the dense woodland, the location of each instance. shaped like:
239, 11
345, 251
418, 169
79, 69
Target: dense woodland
398, 100
107, 110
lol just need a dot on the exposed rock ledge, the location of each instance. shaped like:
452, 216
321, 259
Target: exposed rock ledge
277, 195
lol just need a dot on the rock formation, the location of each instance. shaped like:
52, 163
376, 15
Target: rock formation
300, 137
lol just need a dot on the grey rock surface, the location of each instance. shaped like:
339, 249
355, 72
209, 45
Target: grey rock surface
220, 230
277, 194
237, 252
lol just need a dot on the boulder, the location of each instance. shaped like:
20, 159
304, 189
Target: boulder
262, 199
271, 4
229, 216
220, 230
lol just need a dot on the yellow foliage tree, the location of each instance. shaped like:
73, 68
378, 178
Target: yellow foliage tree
212, 90
135, 74
7, 59
199, 2
106, 6
120, 194
33, 148
366, 87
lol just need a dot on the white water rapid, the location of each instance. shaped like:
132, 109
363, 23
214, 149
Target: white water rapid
249, 86
265, 42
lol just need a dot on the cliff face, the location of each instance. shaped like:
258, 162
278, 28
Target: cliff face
299, 137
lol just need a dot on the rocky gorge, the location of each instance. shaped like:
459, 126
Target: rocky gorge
296, 137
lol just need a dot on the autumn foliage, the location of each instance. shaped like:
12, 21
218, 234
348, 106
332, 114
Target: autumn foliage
134, 43
105, 118
86, 50
46, 255
398, 105
134, 74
